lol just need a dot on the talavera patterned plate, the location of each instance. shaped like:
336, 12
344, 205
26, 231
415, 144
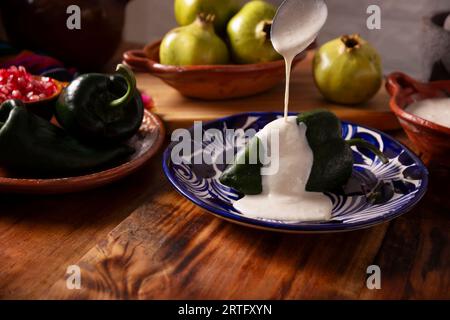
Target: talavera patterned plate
401, 183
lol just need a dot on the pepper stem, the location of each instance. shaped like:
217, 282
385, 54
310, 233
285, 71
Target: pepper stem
358, 142
131, 86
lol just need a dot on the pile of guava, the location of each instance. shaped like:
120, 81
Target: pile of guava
219, 32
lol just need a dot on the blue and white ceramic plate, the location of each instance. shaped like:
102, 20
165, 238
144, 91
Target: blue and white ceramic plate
405, 178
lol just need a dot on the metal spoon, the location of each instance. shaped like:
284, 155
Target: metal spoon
297, 24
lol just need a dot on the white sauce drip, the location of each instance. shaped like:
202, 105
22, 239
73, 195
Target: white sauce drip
297, 25
289, 53
284, 196
434, 110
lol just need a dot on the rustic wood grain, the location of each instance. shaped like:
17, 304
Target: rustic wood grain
40, 236
179, 111
171, 249
416, 248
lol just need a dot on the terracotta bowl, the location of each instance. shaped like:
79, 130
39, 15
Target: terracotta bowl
431, 139
210, 82
45, 108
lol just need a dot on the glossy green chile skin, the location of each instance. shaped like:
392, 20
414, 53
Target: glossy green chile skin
333, 158
33, 145
243, 175
100, 108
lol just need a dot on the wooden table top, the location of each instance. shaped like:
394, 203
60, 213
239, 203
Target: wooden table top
139, 238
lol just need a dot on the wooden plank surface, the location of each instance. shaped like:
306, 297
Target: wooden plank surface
171, 249
163, 246
40, 236
179, 111
416, 248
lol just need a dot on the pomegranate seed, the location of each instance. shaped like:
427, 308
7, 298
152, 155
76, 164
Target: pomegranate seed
17, 83
16, 94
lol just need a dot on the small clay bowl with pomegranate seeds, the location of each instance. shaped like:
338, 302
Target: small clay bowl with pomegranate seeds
38, 93
45, 107
210, 82
431, 139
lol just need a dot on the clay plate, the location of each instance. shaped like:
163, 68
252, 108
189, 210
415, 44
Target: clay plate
431, 139
146, 142
210, 82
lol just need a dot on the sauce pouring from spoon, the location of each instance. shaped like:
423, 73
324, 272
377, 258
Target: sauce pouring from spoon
295, 26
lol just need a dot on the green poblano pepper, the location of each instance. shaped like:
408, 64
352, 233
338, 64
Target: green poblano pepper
101, 108
31, 144
245, 174
333, 157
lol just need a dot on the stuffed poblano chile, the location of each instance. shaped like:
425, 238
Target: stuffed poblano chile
333, 157
32, 144
101, 108
245, 175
